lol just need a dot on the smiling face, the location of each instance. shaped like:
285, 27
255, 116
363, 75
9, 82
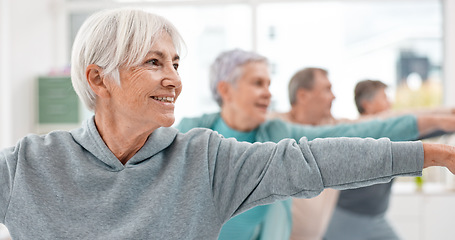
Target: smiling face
148, 92
245, 103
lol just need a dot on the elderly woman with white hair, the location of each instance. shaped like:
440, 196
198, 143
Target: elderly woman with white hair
239, 81
124, 174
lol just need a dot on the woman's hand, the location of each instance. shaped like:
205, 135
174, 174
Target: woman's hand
439, 155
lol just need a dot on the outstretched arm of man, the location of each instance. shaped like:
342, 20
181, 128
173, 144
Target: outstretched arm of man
430, 123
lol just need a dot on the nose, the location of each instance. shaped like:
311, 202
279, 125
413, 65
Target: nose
267, 93
171, 78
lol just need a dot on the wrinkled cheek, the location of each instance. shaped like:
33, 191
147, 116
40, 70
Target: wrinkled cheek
138, 93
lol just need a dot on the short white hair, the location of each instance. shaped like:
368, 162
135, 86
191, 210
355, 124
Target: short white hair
115, 38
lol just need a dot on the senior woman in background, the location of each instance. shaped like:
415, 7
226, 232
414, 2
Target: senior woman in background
239, 81
125, 175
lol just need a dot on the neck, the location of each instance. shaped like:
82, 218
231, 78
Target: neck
237, 121
302, 117
121, 136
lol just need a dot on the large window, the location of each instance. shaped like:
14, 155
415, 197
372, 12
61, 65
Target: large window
399, 43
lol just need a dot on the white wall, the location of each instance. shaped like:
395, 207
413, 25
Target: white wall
4, 74
29, 46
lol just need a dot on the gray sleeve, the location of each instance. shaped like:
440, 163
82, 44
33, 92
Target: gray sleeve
7, 173
244, 175
355, 162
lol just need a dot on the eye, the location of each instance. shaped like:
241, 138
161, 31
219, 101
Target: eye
261, 83
176, 66
152, 61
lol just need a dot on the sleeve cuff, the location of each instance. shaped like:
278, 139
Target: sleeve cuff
407, 158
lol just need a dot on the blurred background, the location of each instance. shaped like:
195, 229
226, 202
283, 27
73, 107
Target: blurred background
409, 45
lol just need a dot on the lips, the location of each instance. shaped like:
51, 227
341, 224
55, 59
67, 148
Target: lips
262, 106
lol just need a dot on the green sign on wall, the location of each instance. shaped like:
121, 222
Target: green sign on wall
57, 100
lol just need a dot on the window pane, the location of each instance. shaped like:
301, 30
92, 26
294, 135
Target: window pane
390, 41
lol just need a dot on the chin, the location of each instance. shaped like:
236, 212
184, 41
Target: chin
167, 123
163, 121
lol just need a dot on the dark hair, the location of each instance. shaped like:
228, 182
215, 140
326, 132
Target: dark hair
365, 90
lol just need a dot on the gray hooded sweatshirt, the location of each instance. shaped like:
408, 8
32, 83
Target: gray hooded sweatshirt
69, 185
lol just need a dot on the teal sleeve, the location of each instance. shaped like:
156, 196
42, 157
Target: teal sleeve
185, 125
204, 121
403, 128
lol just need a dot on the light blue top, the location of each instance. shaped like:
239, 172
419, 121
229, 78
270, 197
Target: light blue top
278, 222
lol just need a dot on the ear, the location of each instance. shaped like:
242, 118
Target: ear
223, 89
96, 80
301, 94
366, 106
